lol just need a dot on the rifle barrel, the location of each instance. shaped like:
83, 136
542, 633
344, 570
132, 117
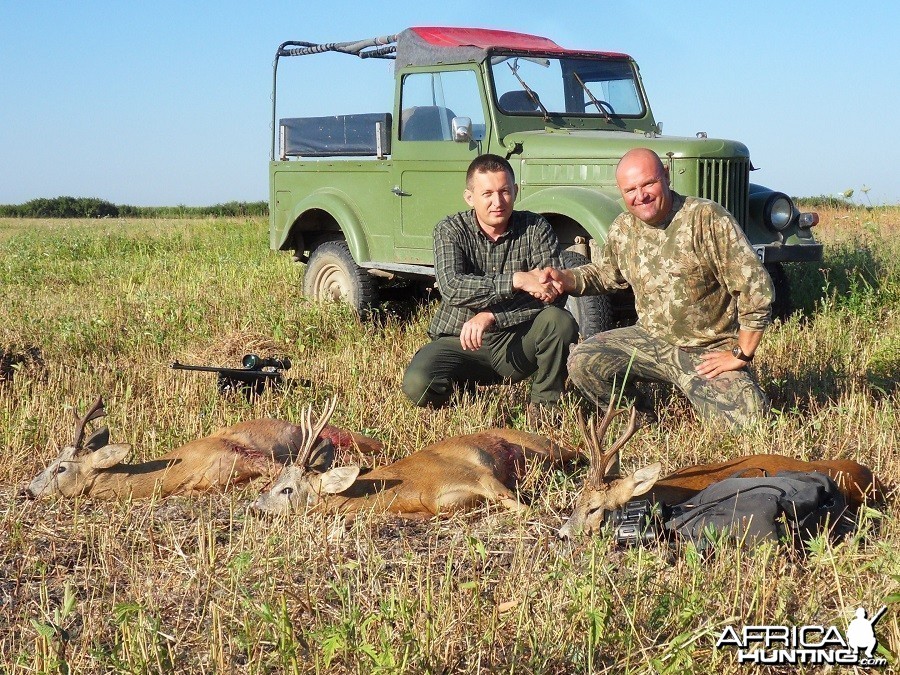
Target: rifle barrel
230, 372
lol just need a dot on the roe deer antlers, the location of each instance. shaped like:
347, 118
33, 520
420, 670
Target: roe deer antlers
602, 460
96, 411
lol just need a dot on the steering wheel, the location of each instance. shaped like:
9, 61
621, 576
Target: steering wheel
600, 104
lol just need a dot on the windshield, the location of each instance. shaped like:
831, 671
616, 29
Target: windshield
566, 86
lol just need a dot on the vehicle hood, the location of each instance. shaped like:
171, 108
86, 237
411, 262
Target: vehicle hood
591, 144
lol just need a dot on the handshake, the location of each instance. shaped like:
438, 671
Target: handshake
545, 284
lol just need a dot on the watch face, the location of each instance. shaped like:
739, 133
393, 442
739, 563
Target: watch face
738, 354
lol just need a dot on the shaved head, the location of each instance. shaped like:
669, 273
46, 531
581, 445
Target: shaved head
640, 156
644, 184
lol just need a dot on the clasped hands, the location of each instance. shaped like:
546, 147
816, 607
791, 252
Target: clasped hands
545, 284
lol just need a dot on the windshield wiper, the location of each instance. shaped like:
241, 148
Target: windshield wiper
528, 90
594, 99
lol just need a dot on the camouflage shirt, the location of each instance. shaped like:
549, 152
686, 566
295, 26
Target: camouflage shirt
696, 279
475, 274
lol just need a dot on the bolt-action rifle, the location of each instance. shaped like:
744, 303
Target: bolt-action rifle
251, 379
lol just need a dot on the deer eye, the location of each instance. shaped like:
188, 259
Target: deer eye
61, 469
287, 491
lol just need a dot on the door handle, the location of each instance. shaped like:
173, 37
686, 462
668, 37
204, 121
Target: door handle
400, 193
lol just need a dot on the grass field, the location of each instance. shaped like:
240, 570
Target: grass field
198, 585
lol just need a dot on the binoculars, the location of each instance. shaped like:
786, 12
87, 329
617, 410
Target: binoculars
639, 522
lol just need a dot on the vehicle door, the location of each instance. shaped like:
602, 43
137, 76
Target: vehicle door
429, 165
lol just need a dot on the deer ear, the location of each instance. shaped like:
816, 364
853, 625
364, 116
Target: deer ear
645, 478
110, 455
97, 439
321, 457
339, 479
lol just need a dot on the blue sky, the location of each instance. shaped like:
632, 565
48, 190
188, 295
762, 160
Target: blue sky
168, 103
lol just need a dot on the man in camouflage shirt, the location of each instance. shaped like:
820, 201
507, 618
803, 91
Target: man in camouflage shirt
500, 317
703, 299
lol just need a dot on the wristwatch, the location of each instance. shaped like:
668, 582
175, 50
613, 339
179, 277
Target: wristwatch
738, 354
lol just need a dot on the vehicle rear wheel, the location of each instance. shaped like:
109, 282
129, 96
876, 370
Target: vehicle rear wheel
332, 275
592, 312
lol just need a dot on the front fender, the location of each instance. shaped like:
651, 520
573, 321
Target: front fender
793, 243
339, 206
593, 210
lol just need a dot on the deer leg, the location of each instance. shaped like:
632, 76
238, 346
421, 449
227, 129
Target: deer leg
495, 491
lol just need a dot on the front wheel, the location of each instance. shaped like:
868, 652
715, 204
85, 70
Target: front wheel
782, 305
592, 312
332, 275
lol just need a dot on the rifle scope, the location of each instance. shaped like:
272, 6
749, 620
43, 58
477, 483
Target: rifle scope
254, 362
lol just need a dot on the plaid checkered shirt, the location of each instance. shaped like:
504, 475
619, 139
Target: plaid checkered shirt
475, 274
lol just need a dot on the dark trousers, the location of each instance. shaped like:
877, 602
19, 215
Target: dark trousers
538, 347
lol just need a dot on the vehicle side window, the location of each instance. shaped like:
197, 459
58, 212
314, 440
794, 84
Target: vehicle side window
430, 101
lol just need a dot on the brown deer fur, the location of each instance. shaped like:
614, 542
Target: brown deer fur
602, 492
227, 457
447, 475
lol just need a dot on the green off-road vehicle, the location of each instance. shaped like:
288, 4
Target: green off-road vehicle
356, 197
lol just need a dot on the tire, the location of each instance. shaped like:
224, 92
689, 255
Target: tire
332, 275
592, 312
782, 305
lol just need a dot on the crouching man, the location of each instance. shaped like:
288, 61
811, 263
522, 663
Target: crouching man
703, 300
501, 317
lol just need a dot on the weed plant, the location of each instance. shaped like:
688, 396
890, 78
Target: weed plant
199, 585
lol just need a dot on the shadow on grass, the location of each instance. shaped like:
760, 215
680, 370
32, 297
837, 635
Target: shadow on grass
403, 303
860, 280
810, 389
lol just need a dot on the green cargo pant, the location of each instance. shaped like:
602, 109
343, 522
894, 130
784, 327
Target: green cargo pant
538, 347
596, 363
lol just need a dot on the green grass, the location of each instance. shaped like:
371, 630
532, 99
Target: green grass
199, 585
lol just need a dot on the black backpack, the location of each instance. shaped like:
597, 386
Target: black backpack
793, 506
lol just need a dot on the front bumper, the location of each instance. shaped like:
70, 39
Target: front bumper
772, 253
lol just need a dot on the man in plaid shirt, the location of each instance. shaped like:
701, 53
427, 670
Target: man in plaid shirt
500, 318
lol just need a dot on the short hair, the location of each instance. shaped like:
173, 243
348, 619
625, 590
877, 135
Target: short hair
489, 164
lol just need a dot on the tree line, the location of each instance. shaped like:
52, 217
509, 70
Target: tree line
90, 207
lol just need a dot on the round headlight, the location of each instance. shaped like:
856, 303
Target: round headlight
779, 211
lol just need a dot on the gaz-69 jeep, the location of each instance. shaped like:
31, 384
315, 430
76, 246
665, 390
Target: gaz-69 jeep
356, 197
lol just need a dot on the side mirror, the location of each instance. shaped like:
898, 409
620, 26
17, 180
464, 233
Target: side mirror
462, 129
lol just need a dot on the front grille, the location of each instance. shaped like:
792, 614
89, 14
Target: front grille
726, 181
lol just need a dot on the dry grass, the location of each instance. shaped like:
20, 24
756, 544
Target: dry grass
199, 585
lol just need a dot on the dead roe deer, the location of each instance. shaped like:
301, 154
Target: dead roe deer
602, 492
447, 475
227, 457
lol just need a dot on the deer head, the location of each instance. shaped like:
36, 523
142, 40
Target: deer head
304, 483
73, 471
601, 492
